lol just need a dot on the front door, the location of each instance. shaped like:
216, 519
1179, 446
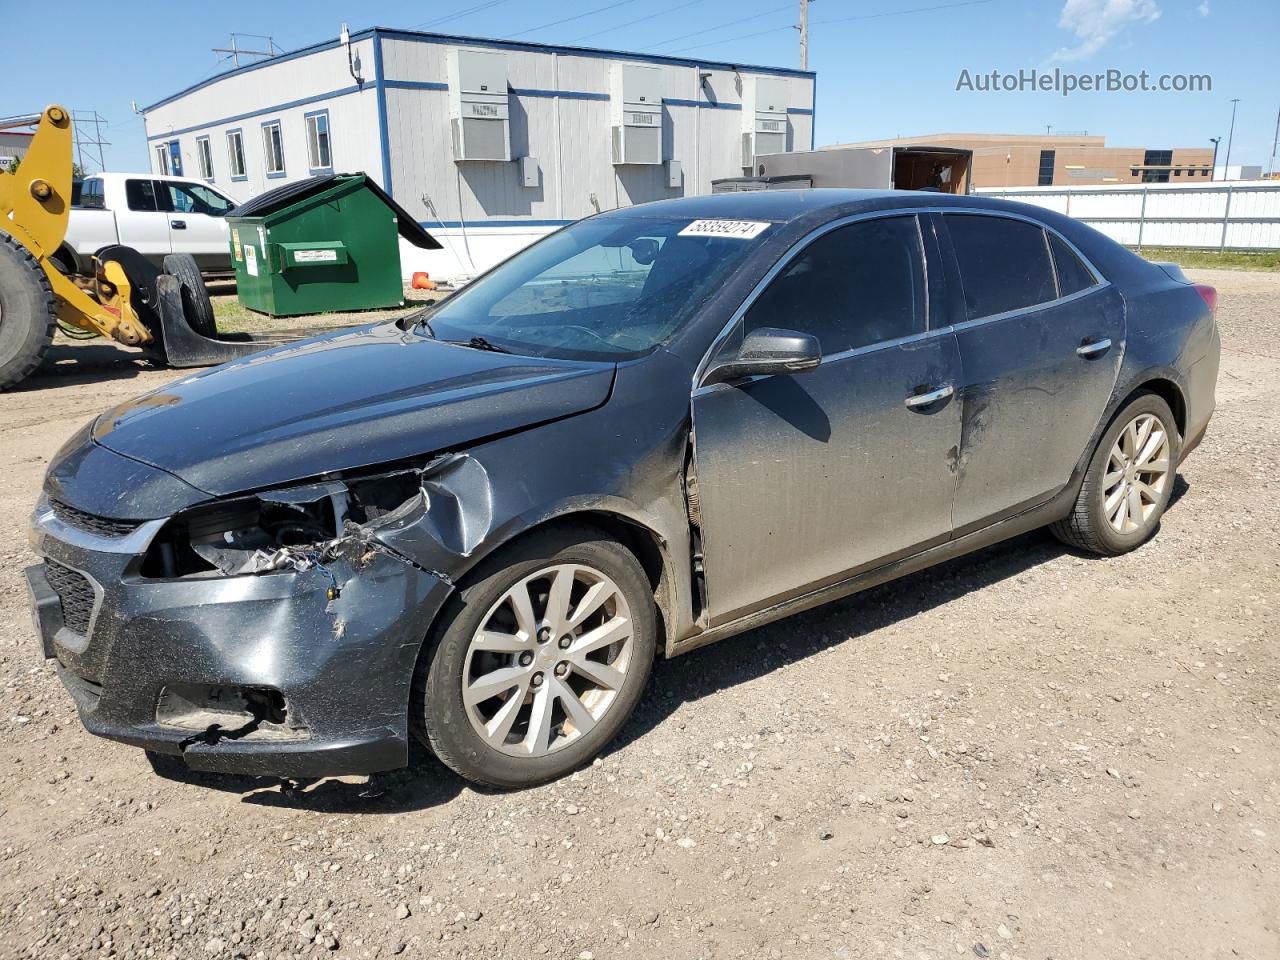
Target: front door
1040, 347
197, 223
807, 478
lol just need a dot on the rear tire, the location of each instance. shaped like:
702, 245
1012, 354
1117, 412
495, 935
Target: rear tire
1125, 489
585, 676
197, 310
27, 312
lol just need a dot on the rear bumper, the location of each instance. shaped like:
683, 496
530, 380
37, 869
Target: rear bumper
341, 667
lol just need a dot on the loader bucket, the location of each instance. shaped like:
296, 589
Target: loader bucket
180, 345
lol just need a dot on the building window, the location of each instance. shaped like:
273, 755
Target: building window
235, 154
1156, 158
273, 148
319, 150
1177, 173
205, 156
1046, 167
162, 158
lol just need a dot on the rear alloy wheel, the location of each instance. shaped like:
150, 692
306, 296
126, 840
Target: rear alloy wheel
1137, 474
1128, 482
539, 659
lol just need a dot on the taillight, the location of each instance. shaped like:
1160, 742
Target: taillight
1208, 294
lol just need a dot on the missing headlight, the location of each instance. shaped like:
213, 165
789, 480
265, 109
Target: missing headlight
274, 529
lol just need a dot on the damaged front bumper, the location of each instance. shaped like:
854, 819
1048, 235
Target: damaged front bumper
293, 672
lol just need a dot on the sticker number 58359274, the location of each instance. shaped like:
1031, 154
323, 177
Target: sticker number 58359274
734, 229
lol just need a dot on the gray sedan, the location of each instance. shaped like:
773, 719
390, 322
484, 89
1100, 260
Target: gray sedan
656, 428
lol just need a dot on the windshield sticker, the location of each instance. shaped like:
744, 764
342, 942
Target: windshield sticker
734, 229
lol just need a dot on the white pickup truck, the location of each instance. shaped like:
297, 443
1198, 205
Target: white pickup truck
156, 215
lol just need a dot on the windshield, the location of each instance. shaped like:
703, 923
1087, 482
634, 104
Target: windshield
604, 289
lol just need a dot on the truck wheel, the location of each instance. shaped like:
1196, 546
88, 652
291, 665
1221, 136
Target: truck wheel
27, 312
196, 308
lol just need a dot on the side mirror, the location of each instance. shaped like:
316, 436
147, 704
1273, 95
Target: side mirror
769, 351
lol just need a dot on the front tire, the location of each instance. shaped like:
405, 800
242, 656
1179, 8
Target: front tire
1128, 482
538, 661
27, 311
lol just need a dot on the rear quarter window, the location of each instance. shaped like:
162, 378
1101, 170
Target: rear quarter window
1073, 275
1004, 264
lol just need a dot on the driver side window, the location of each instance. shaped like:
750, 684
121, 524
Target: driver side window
855, 286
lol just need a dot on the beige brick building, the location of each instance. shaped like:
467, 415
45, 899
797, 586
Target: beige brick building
1014, 160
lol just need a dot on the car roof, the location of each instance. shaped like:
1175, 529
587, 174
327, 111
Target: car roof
143, 175
781, 206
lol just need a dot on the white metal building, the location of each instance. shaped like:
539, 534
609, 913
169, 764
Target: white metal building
489, 143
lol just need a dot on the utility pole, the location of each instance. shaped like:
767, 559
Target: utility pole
1047, 128
1213, 168
1230, 133
1271, 167
804, 34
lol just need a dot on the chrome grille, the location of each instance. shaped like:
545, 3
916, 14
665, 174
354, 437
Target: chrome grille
102, 526
75, 594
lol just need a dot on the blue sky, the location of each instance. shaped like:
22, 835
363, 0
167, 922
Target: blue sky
890, 72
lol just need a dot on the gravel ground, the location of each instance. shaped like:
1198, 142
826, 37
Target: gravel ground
1024, 753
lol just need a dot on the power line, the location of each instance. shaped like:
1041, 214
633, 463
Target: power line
721, 26
458, 14
587, 13
741, 36
631, 23
867, 16
899, 13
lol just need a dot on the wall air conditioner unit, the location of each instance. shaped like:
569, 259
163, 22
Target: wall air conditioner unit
478, 109
764, 117
635, 113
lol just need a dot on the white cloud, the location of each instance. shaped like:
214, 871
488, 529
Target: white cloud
1203, 8
1095, 23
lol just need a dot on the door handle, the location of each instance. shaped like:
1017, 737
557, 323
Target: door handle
917, 400
1094, 348
178, 224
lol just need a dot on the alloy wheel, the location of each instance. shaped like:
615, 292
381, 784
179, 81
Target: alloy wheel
1137, 474
548, 660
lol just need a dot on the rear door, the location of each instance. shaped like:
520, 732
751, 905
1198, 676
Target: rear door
197, 223
142, 223
805, 479
1041, 339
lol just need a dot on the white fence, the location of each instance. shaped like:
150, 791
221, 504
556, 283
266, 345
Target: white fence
1235, 215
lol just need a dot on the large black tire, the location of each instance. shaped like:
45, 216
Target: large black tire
27, 312
438, 714
196, 307
1087, 527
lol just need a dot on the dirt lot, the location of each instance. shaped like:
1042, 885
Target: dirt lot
1024, 753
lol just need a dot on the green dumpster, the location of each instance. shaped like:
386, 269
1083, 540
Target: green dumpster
320, 245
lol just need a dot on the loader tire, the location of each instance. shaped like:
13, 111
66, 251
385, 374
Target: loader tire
27, 312
196, 308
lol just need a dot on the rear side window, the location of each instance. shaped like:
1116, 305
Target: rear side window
1004, 264
1073, 275
852, 287
91, 194
141, 195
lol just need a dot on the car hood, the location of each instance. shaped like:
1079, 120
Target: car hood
350, 399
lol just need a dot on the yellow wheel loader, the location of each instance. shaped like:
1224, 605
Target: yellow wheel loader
127, 298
